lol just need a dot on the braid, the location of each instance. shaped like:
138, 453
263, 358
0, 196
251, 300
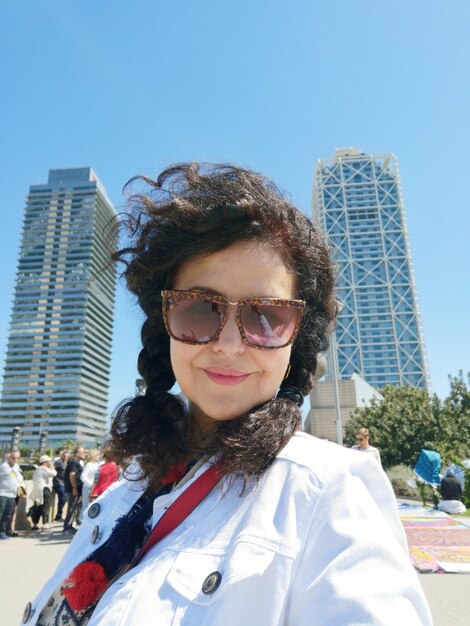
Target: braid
152, 427
155, 352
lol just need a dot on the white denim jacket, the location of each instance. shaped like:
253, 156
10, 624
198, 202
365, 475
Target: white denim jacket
316, 542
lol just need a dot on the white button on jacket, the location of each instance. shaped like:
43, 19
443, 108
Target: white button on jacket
317, 541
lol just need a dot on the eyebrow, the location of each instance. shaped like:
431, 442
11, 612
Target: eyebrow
211, 291
204, 289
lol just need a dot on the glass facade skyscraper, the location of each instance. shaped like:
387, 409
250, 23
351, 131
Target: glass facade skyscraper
58, 357
357, 200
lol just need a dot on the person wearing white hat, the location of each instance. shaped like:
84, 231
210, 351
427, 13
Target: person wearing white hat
42, 491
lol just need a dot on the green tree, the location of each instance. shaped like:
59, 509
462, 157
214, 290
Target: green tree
455, 419
68, 444
408, 419
405, 421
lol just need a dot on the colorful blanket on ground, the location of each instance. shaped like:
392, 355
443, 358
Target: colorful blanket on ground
436, 541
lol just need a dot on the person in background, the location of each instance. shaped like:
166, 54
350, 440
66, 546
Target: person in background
451, 494
10, 479
41, 493
21, 493
362, 438
107, 474
58, 482
88, 478
10, 532
73, 486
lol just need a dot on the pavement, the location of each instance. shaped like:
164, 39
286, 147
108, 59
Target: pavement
27, 561
448, 596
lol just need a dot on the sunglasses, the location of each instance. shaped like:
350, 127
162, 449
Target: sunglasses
198, 318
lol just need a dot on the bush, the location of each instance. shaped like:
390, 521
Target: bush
407, 419
466, 490
398, 475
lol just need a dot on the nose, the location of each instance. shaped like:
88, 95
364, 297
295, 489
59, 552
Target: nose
230, 341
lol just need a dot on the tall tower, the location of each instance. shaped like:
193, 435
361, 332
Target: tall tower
358, 201
58, 357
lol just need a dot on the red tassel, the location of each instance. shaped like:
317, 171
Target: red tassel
87, 582
176, 473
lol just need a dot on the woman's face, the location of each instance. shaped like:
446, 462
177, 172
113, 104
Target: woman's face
225, 379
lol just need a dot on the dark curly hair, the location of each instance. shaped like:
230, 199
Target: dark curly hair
194, 210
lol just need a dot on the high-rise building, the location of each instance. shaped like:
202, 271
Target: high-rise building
357, 200
57, 368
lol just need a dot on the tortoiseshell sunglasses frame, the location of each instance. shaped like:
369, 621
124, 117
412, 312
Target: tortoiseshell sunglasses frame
178, 295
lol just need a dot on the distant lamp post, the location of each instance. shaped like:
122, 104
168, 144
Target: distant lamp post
42, 441
28, 432
15, 438
140, 387
335, 378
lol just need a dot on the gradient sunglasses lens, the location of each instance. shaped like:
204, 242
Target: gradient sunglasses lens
194, 319
268, 325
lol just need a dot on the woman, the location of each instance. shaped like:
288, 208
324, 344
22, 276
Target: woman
107, 474
253, 521
41, 493
88, 479
363, 445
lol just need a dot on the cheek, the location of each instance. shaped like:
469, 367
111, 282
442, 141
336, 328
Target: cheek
178, 360
274, 364
182, 357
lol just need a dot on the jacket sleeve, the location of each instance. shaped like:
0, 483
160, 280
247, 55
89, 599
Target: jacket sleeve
355, 568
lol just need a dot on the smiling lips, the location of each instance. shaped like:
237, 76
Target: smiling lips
226, 376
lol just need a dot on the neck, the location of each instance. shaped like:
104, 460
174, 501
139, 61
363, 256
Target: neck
200, 438
202, 427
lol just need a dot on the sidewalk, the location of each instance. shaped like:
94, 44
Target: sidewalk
448, 597
27, 561
447, 594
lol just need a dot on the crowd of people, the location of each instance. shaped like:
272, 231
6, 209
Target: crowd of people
61, 489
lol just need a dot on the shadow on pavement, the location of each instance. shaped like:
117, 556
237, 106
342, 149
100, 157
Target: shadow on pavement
49, 537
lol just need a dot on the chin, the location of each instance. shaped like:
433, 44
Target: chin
224, 415
220, 411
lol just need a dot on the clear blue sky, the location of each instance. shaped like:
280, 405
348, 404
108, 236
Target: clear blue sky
129, 87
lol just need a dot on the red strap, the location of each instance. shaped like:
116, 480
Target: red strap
182, 507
